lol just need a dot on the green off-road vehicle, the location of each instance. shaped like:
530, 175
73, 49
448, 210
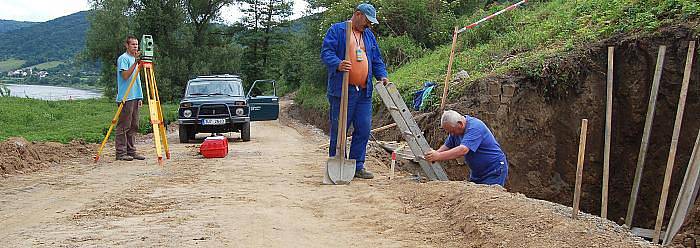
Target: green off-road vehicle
218, 104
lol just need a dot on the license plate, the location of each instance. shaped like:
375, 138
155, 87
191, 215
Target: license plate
213, 121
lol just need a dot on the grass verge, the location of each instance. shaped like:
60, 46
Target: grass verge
311, 97
63, 121
524, 38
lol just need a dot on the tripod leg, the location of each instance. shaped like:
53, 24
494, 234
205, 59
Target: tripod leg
111, 127
163, 132
116, 115
161, 129
152, 113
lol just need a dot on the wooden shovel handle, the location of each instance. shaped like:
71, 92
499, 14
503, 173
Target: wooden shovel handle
343, 112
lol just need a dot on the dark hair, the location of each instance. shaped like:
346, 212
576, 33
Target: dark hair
129, 37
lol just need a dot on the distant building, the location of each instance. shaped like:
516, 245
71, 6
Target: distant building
17, 73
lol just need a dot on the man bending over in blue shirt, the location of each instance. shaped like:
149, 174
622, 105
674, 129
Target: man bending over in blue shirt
469, 137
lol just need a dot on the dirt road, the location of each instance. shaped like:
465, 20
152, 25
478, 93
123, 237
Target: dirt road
267, 193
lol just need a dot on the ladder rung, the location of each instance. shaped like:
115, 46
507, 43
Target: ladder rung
410, 130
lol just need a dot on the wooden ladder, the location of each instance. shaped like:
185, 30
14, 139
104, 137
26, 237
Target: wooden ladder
409, 130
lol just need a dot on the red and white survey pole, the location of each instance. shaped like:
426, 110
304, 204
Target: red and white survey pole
454, 43
393, 164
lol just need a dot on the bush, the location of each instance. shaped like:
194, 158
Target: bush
4, 91
523, 39
399, 50
311, 97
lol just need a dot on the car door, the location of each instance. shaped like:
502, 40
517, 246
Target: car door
263, 101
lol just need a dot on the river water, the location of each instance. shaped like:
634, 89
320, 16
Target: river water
53, 93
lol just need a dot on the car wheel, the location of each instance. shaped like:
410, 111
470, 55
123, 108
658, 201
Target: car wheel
185, 134
245, 132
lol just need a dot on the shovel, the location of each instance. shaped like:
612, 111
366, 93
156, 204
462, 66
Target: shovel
339, 169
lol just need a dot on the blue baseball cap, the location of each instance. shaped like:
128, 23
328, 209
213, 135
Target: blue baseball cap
369, 12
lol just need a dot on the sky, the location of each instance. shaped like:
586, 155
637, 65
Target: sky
44, 10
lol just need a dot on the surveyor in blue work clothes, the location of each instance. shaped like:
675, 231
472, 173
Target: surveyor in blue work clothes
469, 137
128, 123
365, 62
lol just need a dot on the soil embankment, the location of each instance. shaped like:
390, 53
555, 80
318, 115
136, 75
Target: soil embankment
18, 156
267, 193
536, 119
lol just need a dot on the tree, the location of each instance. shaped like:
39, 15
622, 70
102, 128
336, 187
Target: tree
200, 14
109, 25
184, 45
164, 20
263, 20
275, 13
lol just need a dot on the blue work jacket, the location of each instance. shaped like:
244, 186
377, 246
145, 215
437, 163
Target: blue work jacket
333, 51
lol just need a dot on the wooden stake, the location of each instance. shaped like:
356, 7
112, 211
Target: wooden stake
383, 128
685, 197
645, 137
674, 141
449, 71
608, 121
579, 167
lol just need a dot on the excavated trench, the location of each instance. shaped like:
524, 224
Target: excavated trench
537, 119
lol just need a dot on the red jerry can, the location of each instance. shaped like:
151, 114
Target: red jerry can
214, 147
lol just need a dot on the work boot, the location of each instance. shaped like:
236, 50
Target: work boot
137, 156
124, 157
364, 174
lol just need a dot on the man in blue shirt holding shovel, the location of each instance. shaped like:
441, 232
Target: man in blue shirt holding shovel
365, 62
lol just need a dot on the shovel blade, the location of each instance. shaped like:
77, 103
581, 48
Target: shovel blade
340, 170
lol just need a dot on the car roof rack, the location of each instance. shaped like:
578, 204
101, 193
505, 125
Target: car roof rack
220, 76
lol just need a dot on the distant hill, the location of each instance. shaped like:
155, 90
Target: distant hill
58, 39
9, 25
301, 24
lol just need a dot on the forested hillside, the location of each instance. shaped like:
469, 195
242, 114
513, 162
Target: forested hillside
9, 25
59, 39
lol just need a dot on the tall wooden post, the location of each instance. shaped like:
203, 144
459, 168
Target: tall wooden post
645, 137
685, 198
579, 167
608, 121
449, 71
674, 141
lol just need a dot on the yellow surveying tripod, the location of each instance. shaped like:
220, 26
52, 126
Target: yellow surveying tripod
156, 112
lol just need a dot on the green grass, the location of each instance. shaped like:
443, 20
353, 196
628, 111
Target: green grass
312, 98
524, 38
63, 121
47, 65
10, 64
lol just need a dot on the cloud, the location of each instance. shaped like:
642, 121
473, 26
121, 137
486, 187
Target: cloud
232, 13
44, 10
40, 10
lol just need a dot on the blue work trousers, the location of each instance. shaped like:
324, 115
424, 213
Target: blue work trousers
359, 116
497, 176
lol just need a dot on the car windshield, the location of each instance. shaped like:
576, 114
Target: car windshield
213, 88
